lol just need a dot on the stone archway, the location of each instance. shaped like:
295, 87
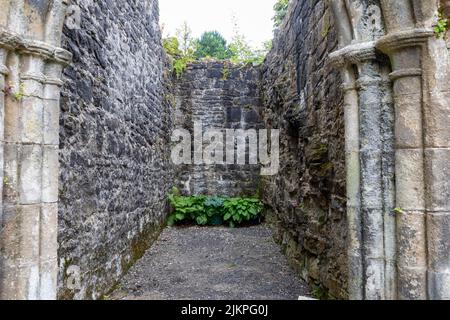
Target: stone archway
31, 63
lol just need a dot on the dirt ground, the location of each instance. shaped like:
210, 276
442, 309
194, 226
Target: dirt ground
212, 263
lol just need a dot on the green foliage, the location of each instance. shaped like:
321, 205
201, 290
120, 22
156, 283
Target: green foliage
180, 65
280, 8
181, 49
442, 25
204, 210
242, 53
212, 45
172, 46
238, 210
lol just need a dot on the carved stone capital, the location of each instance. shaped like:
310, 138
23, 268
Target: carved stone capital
404, 39
354, 53
13, 41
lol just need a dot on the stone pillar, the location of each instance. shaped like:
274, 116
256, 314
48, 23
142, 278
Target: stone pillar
420, 74
354, 220
373, 119
28, 241
353, 168
410, 188
376, 183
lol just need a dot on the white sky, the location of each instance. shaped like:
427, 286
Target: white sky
254, 17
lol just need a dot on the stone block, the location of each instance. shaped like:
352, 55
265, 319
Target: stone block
411, 240
374, 279
49, 232
51, 122
410, 179
48, 280
439, 285
438, 235
10, 173
28, 279
30, 175
373, 233
437, 169
12, 120
29, 216
408, 121
437, 118
10, 235
31, 120
50, 174
234, 114
412, 283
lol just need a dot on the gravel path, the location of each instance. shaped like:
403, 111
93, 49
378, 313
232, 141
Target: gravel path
212, 264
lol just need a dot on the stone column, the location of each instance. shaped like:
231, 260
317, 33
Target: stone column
3, 73
352, 163
410, 188
28, 241
377, 188
351, 115
421, 66
436, 110
50, 176
373, 117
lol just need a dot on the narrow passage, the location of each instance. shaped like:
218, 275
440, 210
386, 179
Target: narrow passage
212, 263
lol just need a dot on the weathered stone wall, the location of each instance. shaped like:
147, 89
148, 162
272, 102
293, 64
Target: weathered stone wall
302, 97
221, 96
115, 130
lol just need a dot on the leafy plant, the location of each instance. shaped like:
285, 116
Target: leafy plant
242, 52
214, 210
442, 25
280, 8
204, 210
172, 46
238, 210
187, 208
181, 49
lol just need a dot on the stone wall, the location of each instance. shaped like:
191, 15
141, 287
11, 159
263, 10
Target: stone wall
114, 128
302, 97
221, 96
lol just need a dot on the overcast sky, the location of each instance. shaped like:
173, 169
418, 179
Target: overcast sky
254, 17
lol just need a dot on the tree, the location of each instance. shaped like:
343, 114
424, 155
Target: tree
212, 44
242, 52
280, 8
187, 43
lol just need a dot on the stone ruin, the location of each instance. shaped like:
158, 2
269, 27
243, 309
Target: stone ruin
358, 88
